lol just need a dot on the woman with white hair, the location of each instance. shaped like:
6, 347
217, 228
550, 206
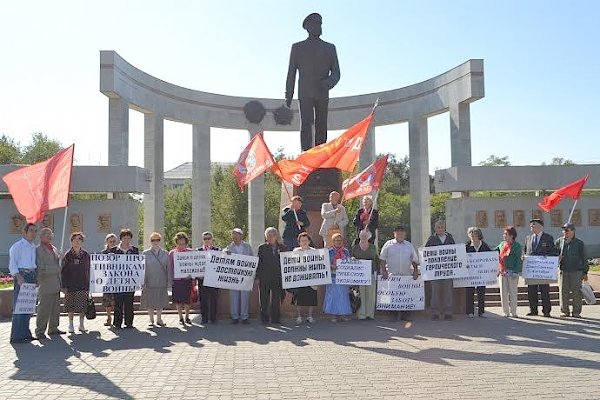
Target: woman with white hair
268, 273
367, 218
365, 250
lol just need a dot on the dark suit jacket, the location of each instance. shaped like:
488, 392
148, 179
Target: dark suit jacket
291, 230
319, 69
545, 246
434, 240
269, 267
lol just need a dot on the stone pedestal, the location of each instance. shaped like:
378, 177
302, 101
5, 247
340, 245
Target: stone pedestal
315, 191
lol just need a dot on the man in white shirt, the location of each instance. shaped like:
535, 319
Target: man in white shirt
23, 268
399, 257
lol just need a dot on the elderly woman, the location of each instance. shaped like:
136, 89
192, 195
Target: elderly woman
182, 288
367, 218
337, 299
304, 297
76, 280
47, 260
509, 268
475, 244
365, 250
108, 299
268, 274
157, 279
334, 217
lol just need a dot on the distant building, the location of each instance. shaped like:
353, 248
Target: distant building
175, 178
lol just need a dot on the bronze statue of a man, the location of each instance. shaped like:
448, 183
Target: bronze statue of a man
317, 63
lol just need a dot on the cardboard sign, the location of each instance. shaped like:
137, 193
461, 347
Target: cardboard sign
230, 271
353, 272
483, 270
26, 300
400, 293
443, 262
540, 267
305, 268
189, 263
116, 273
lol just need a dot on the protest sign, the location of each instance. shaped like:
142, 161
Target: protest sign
483, 270
189, 263
116, 273
400, 293
230, 271
26, 300
353, 272
443, 262
305, 268
540, 268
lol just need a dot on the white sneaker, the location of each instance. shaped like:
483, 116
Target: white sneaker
71, 328
298, 320
310, 320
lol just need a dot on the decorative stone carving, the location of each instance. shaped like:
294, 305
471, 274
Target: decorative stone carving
254, 111
105, 223
556, 219
576, 219
536, 213
499, 218
17, 223
594, 216
283, 116
76, 223
48, 221
481, 219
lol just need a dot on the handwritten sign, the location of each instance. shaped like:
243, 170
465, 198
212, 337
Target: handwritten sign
230, 271
353, 272
443, 262
116, 273
305, 268
400, 293
540, 267
26, 300
483, 270
189, 263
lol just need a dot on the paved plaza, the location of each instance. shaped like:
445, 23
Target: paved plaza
465, 358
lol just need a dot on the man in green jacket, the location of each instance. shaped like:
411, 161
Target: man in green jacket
573, 270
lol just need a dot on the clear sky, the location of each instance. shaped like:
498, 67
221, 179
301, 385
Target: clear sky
541, 68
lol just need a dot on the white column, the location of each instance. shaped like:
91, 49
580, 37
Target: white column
154, 217
201, 208
420, 214
256, 203
460, 134
367, 153
118, 131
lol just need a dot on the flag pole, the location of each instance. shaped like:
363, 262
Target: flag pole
286, 190
572, 211
374, 204
62, 237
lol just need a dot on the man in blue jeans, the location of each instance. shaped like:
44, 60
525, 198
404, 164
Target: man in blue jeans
23, 269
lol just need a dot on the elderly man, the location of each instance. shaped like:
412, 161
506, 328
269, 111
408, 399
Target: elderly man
269, 275
539, 243
334, 218
22, 267
239, 299
398, 257
573, 270
441, 289
48, 279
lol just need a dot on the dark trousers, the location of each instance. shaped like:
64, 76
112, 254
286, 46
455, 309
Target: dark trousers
270, 299
313, 112
209, 297
532, 296
470, 291
123, 308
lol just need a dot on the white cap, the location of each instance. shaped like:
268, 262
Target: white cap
237, 230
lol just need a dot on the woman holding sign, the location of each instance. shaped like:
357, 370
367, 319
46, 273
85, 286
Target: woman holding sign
337, 299
75, 276
475, 244
108, 299
365, 250
182, 288
509, 268
304, 297
157, 279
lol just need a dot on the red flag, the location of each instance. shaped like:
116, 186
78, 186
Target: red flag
366, 181
254, 160
341, 153
572, 190
42, 187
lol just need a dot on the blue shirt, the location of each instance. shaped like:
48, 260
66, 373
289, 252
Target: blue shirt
21, 256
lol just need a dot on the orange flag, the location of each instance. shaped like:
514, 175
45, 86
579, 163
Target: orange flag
572, 190
42, 187
341, 153
253, 161
366, 181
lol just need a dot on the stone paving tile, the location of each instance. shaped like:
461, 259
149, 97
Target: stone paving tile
464, 358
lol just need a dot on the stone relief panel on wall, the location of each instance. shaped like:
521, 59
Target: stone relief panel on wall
536, 213
499, 218
576, 219
105, 223
76, 223
17, 223
519, 218
594, 216
48, 221
556, 218
481, 219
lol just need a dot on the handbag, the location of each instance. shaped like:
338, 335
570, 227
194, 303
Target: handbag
355, 300
90, 311
588, 293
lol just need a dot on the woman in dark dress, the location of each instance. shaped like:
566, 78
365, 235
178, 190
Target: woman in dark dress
182, 288
474, 245
366, 217
304, 297
108, 299
75, 278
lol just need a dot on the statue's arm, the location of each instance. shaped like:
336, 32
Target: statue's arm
334, 74
291, 77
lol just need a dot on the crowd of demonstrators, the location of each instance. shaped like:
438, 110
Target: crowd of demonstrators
70, 273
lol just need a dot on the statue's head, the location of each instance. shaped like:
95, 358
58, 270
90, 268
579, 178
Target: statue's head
312, 23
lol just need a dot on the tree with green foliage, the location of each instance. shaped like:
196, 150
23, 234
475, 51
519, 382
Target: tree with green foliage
40, 149
495, 161
559, 161
10, 151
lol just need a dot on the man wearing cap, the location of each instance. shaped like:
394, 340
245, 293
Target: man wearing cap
317, 63
573, 270
539, 243
239, 299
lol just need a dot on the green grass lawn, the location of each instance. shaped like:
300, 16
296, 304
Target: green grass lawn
6, 285
595, 268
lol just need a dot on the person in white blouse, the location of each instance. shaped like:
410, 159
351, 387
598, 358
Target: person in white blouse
334, 217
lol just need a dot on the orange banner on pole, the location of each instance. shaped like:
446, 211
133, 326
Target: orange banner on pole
366, 181
572, 190
253, 161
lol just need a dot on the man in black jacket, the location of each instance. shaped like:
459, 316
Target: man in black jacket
539, 243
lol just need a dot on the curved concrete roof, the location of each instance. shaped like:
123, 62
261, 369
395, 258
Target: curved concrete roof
118, 78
